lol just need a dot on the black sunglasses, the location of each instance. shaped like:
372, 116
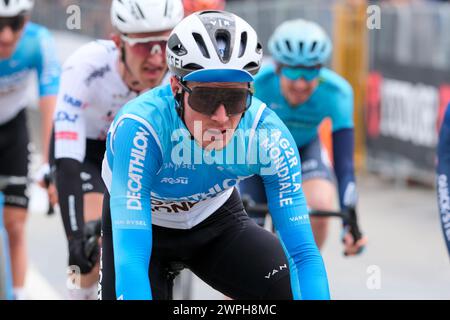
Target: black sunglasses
15, 23
206, 100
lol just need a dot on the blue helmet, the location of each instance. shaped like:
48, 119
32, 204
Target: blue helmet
300, 42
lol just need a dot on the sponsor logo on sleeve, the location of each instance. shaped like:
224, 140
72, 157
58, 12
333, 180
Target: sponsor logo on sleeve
66, 135
63, 116
136, 170
72, 101
97, 73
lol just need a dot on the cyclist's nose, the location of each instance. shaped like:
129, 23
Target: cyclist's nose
6, 35
220, 115
156, 57
301, 84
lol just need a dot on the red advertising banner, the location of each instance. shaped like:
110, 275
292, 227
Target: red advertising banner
402, 121
444, 100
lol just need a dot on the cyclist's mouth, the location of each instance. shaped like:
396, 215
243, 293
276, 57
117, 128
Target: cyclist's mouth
214, 134
152, 72
6, 46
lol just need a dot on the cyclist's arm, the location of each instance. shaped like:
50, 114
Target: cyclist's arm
136, 161
70, 195
47, 106
48, 70
443, 176
343, 150
287, 206
70, 146
343, 144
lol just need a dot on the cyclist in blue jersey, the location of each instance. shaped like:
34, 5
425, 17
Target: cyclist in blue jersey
443, 176
303, 93
25, 48
174, 156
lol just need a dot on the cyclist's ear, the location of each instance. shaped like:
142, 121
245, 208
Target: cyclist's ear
115, 37
277, 68
175, 87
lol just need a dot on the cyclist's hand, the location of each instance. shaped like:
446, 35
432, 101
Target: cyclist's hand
351, 247
41, 175
92, 233
52, 194
77, 255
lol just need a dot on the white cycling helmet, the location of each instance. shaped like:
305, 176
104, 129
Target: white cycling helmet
12, 8
300, 42
138, 16
214, 46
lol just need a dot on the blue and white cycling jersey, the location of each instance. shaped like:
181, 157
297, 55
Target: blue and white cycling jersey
333, 98
443, 176
35, 51
157, 174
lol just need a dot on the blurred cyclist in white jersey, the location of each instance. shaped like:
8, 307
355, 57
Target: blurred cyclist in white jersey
25, 48
97, 80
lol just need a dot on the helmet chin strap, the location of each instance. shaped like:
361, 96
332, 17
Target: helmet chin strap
179, 101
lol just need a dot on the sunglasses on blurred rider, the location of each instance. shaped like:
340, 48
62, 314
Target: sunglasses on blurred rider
295, 73
15, 23
148, 45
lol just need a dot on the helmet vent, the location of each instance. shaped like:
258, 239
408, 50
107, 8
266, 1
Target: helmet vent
192, 66
259, 48
175, 45
314, 45
243, 44
251, 65
288, 45
208, 12
120, 18
300, 46
223, 45
201, 44
166, 8
138, 8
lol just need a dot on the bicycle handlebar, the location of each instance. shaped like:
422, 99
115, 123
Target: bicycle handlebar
348, 216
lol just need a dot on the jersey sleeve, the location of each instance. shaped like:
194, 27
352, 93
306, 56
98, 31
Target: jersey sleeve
281, 174
343, 146
137, 158
48, 68
69, 121
341, 113
443, 176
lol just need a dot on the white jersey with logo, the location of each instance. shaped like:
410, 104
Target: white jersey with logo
91, 93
